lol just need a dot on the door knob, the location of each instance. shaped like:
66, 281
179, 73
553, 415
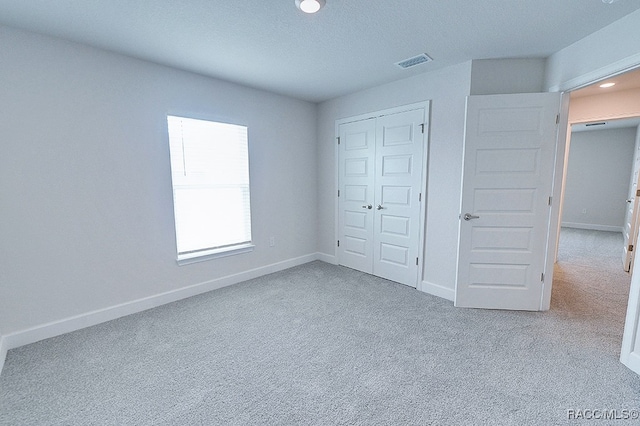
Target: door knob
379, 207
630, 200
469, 216
368, 206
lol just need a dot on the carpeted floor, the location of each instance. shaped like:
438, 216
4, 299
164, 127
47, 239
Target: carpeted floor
322, 345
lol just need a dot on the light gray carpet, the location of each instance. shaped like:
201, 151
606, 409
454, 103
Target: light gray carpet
320, 344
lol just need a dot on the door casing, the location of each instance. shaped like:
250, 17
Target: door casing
423, 189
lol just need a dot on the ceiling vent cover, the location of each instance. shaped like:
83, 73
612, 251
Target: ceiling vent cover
416, 60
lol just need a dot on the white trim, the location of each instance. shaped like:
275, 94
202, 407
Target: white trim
557, 193
426, 107
3, 352
627, 64
632, 362
628, 355
592, 227
201, 256
67, 325
327, 258
438, 290
633, 315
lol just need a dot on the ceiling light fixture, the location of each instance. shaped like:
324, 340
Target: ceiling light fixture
310, 6
606, 85
609, 1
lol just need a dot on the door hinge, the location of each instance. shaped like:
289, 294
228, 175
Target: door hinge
420, 197
422, 127
542, 277
550, 200
338, 193
416, 261
638, 193
338, 243
557, 118
338, 140
630, 248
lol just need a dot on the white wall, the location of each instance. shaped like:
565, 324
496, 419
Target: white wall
85, 168
597, 184
613, 49
447, 90
87, 216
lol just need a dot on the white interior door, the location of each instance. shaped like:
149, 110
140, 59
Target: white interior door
509, 152
630, 352
630, 230
356, 197
380, 201
399, 156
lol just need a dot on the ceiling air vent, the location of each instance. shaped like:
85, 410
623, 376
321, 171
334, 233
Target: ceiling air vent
416, 60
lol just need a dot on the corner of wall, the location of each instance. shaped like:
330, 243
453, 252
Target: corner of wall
88, 319
3, 352
438, 290
327, 258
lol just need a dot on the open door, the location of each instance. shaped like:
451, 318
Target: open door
630, 230
630, 352
509, 153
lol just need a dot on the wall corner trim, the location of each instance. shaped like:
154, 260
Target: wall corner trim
327, 258
3, 352
438, 290
88, 319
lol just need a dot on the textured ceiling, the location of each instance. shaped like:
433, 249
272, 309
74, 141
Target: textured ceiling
350, 45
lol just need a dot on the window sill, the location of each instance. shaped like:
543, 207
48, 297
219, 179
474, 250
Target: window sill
202, 256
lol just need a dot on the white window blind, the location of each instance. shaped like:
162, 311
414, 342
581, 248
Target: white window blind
210, 175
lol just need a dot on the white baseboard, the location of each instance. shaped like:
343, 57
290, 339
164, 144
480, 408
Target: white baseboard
3, 352
67, 325
328, 258
438, 290
592, 227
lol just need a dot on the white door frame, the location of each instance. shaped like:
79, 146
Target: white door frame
562, 152
628, 356
423, 189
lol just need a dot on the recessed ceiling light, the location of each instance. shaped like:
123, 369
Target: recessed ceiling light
310, 6
606, 85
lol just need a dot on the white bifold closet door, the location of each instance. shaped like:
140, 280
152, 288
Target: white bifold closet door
380, 179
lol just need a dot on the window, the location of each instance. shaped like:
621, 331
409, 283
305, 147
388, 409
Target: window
210, 175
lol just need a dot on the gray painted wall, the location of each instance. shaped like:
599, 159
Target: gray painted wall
447, 90
87, 212
503, 76
597, 185
84, 176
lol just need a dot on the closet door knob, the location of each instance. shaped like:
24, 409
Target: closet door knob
368, 206
379, 207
